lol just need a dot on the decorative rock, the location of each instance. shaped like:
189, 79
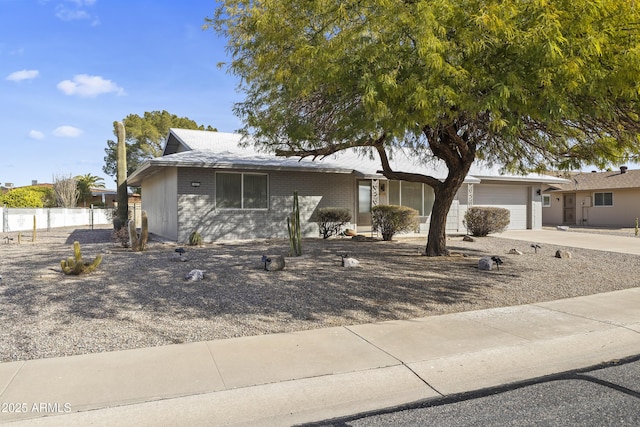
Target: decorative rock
563, 254
347, 261
349, 232
485, 263
514, 252
273, 262
468, 239
178, 258
194, 275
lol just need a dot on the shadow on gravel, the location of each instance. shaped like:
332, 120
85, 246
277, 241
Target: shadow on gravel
84, 236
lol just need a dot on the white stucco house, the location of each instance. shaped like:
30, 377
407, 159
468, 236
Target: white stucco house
212, 183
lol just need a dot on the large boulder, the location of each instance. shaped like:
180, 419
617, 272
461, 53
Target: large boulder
273, 262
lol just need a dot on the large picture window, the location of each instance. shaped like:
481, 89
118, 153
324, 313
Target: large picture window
241, 190
602, 199
412, 194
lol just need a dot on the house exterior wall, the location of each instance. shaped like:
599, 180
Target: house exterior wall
159, 197
623, 213
552, 214
197, 210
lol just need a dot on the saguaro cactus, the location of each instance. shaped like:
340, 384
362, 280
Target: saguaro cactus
121, 176
139, 243
293, 225
75, 265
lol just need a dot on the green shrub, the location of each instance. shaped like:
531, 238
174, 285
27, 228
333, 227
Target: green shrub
481, 221
331, 220
195, 239
391, 219
24, 197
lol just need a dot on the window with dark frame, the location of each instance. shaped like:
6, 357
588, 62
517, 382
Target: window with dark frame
602, 199
241, 190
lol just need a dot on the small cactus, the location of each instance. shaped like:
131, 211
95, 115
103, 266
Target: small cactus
75, 265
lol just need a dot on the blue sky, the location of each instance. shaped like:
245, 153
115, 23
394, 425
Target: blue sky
70, 68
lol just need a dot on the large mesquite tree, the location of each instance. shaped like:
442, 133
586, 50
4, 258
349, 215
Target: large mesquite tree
526, 84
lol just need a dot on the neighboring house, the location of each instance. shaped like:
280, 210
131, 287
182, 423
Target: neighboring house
598, 199
212, 183
108, 198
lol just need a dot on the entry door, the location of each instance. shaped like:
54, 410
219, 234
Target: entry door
364, 203
569, 209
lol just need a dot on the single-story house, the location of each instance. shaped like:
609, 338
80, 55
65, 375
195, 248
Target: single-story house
597, 199
213, 183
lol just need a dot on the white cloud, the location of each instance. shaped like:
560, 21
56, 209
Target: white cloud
18, 76
89, 86
65, 14
67, 132
76, 11
36, 134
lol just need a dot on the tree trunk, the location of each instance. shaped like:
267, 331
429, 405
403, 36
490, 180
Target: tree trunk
437, 239
459, 161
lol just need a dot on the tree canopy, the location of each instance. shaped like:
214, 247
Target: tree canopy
525, 84
145, 136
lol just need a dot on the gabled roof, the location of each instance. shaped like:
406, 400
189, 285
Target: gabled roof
195, 148
611, 180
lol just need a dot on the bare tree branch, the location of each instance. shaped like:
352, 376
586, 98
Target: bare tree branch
66, 191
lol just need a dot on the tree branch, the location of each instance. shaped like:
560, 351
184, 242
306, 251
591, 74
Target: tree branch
328, 149
403, 176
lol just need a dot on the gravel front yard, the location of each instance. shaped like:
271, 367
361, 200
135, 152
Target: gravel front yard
141, 299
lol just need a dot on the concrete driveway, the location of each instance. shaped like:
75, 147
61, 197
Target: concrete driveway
574, 239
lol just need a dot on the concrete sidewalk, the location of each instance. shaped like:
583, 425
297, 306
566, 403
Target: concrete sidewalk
307, 376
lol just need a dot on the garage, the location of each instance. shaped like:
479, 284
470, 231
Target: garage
514, 198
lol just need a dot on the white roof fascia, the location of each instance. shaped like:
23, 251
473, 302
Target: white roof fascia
532, 178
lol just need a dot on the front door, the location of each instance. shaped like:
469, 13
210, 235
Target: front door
364, 203
569, 209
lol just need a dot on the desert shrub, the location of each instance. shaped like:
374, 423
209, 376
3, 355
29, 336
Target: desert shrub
391, 219
481, 221
121, 235
195, 239
331, 220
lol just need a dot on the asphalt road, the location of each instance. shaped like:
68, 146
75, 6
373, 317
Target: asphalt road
606, 395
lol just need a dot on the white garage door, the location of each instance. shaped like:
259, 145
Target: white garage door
510, 197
